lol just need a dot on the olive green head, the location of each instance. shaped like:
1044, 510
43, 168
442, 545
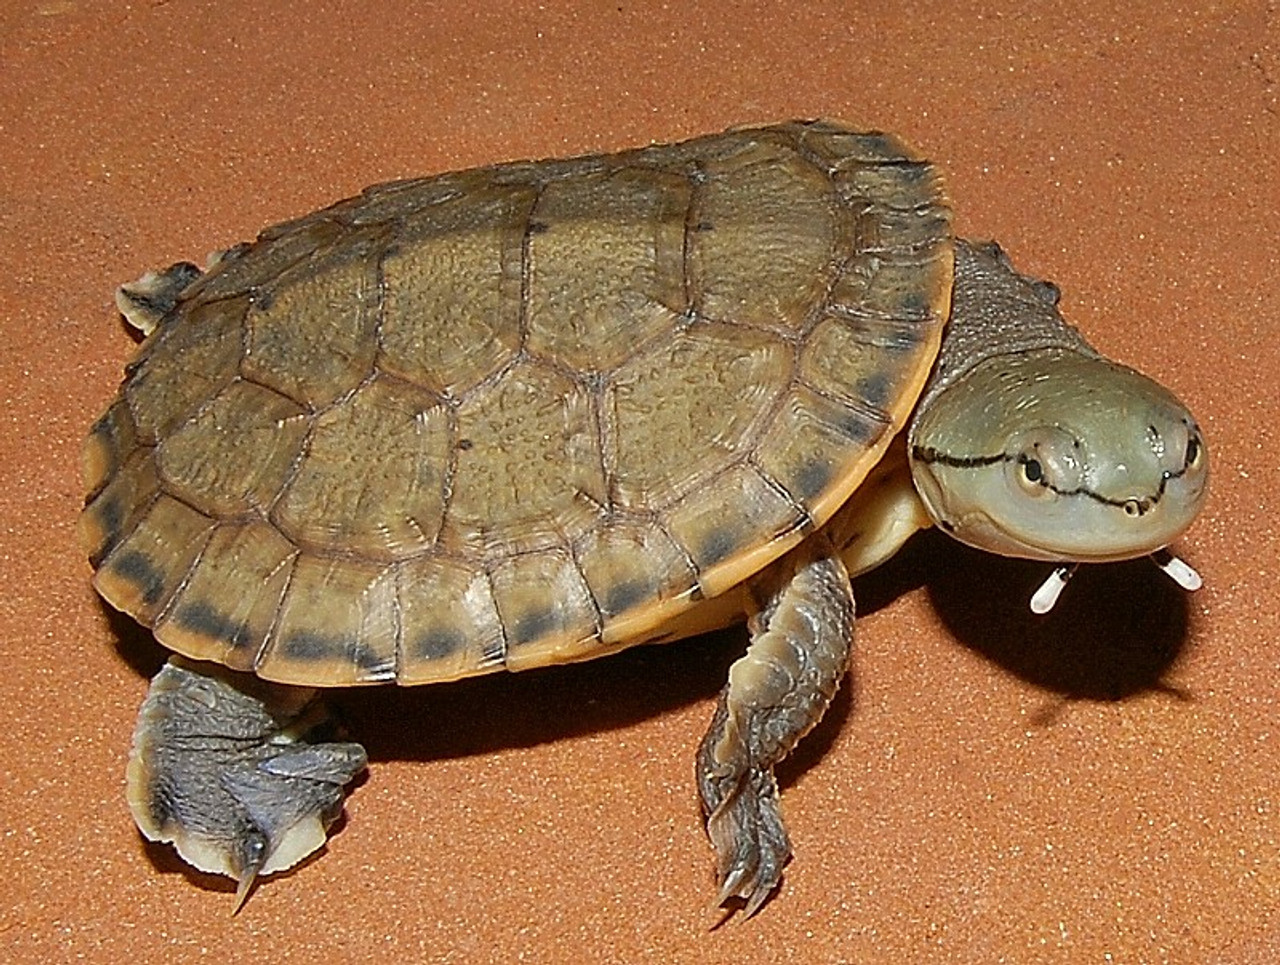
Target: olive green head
1057, 455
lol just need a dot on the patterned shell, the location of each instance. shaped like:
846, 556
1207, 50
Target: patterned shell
520, 415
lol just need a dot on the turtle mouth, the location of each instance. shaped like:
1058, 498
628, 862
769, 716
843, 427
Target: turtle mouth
1082, 527
1135, 505
1008, 502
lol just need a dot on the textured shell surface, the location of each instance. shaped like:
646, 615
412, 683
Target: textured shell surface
518, 415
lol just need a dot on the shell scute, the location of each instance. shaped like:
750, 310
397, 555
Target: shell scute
311, 333
518, 415
228, 604
371, 478
452, 282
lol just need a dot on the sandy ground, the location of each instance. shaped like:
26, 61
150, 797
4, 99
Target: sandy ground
1100, 786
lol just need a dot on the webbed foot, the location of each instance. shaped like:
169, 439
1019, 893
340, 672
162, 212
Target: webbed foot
228, 768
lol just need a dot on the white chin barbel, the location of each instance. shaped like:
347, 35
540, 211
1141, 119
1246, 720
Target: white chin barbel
1179, 571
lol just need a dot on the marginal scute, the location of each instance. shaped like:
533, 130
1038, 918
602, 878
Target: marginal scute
846, 352
733, 526
546, 610
226, 608
144, 568
523, 414
397, 200
895, 186
895, 292
113, 512
635, 572
816, 442
907, 237
838, 146
372, 479
337, 625
112, 439
450, 625
261, 264
551, 169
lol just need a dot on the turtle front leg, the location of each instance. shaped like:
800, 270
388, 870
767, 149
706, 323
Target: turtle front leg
231, 771
801, 640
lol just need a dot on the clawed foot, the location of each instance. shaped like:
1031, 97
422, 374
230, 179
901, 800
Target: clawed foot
748, 837
228, 769
800, 642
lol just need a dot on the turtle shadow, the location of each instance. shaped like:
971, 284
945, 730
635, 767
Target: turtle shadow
1115, 633
482, 715
134, 643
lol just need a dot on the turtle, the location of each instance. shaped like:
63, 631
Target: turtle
538, 412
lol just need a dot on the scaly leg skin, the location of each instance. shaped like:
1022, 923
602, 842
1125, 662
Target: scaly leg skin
145, 302
801, 642
224, 766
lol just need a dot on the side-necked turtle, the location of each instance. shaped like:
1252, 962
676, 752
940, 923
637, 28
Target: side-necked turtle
538, 412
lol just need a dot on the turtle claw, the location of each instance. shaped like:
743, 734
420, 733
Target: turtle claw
747, 885
750, 841
732, 885
230, 771
756, 900
243, 887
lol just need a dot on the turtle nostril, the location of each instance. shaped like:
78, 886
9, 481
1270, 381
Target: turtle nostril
1137, 507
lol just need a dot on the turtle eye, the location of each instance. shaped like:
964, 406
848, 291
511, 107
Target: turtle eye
1031, 474
1044, 462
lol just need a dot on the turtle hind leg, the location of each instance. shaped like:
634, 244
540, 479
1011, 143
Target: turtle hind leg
144, 303
230, 770
800, 646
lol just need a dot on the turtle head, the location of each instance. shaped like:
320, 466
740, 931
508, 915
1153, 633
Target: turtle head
1057, 455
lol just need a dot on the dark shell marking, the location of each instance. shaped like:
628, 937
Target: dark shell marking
517, 415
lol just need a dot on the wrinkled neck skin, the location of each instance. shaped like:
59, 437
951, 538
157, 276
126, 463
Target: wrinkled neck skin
1028, 443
